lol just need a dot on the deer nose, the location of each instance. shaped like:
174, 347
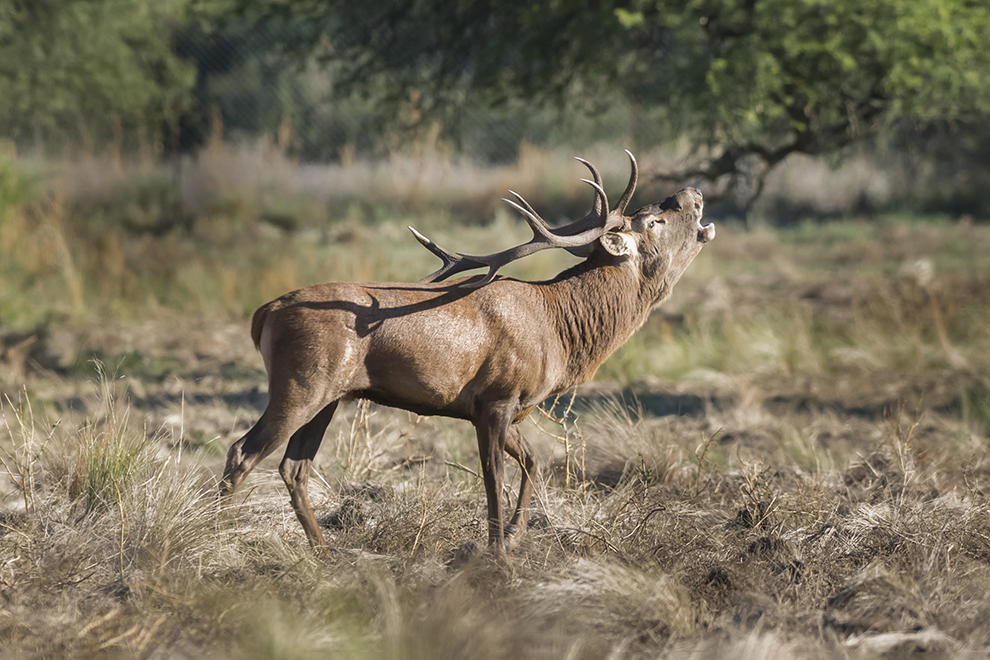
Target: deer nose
699, 201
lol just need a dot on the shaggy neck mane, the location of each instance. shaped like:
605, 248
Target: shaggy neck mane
595, 308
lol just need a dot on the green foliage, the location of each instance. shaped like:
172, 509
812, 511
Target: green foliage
112, 454
761, 79
753, 81
88, 58
13, 187
822, 70
975, 399
112, 462
758, 81
830, 71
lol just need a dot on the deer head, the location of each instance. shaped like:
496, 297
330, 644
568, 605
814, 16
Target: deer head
662, 239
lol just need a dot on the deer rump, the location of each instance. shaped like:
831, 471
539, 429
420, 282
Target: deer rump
484, 348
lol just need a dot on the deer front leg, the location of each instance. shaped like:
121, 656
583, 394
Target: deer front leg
493, 428
520, 450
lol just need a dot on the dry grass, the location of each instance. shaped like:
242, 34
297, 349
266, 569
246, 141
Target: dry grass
237, 224
789, 460
683, 537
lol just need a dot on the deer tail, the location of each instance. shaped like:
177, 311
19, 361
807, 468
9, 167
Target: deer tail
258, 324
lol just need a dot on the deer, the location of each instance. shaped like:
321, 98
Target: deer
484, 348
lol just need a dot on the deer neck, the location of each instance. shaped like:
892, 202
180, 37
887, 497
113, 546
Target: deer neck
595, 309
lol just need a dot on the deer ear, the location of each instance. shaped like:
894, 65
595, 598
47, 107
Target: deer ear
618, 244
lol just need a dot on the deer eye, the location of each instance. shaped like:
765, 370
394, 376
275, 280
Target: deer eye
657, 221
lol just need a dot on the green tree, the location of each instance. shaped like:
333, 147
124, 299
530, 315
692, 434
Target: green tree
751, 81
812, 76
82, 60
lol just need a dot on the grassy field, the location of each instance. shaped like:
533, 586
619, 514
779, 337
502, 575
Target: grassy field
789, 461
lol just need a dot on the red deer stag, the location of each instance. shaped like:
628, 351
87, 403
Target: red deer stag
486, 349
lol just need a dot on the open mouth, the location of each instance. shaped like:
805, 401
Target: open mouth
706, 232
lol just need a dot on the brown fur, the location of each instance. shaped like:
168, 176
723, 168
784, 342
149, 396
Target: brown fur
489, 354
257, 323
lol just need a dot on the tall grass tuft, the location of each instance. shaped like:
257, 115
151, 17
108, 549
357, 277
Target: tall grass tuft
110, 455
21, 458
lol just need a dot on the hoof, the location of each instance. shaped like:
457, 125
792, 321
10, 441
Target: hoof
326, 552
509, 532
462, 554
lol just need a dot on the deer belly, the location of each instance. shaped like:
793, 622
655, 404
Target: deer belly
427, 375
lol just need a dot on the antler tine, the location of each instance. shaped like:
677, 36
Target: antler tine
603, 214
597, 216
547, 238
627, 194
538, 224
452, 263
595, 174
575, 228
595, 208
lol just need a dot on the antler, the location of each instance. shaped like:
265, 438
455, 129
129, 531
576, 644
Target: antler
627, 194
620, 208
577, 237
588, 220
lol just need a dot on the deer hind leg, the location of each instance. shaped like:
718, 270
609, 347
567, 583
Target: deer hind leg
492, 429
519, 449
295, 467
264, 437
277, 424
